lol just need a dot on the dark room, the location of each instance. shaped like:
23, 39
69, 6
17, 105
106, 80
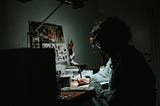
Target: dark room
80, 52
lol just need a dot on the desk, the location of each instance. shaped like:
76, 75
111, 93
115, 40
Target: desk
75, 98
78, 97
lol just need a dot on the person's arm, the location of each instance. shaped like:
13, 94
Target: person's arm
103, 75
83, 81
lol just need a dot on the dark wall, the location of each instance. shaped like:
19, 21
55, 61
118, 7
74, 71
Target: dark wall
155, 26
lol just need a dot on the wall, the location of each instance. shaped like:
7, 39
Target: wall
155, 26
76, 24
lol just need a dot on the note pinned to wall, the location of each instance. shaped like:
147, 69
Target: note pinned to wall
61, 51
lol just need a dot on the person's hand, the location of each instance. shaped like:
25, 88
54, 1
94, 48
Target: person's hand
83, 81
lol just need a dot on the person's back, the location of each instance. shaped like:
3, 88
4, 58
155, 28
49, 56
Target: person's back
132, 80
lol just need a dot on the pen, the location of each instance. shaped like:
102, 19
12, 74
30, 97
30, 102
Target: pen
80, 72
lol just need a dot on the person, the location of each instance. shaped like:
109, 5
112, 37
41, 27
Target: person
131, 82
103, 75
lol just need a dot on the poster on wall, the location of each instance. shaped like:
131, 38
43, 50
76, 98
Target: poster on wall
49, 36
47, 33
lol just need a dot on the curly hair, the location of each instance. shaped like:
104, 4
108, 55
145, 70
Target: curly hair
112, 32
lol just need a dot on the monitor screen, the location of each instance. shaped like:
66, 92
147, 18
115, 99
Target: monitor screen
29, 76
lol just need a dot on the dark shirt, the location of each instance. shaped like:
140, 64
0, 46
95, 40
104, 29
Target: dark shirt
133, 80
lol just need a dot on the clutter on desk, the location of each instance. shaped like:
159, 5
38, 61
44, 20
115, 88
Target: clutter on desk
71, 54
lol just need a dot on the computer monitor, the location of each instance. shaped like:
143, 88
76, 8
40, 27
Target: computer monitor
28, 77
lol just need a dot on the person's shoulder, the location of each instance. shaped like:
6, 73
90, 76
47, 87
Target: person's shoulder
138, 58
132, 50
135, 56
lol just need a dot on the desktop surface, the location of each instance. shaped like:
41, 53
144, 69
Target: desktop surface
75, 97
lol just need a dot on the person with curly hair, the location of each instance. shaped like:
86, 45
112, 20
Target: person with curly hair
131, 80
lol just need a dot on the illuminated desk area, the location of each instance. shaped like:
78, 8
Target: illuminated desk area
75, 97
71, 94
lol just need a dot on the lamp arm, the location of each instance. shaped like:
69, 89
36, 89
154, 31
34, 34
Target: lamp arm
48, 16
